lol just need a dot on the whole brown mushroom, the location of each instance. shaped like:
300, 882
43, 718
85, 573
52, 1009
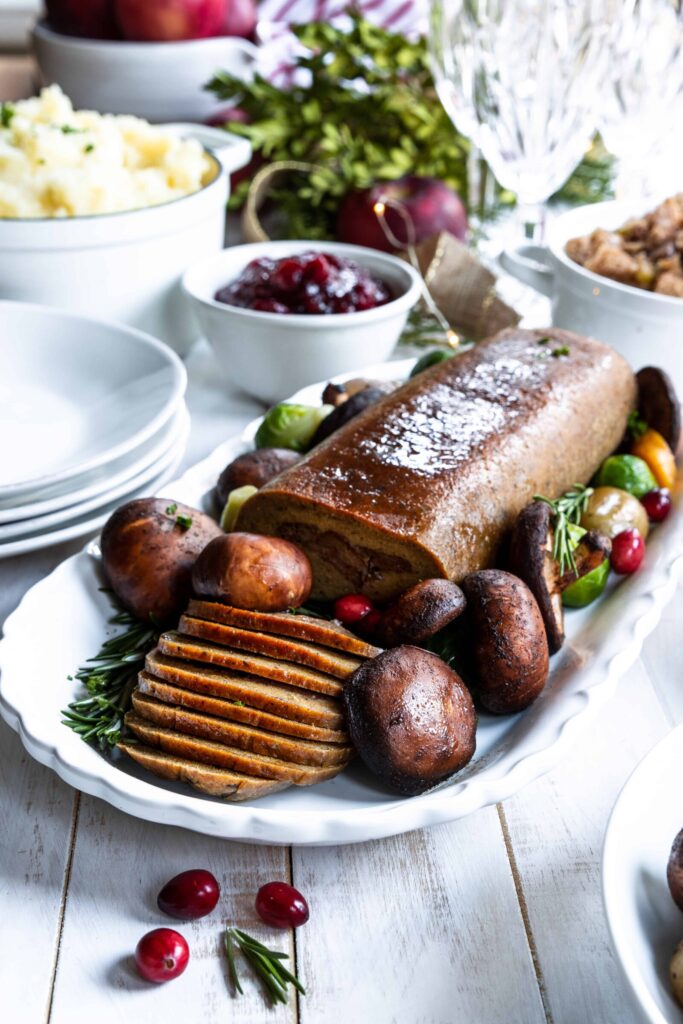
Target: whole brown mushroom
253, 469
509, 641
420, 612
251, 571
674, 870
411, 718
148, 549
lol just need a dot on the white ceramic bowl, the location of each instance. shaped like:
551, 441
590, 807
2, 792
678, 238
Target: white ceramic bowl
125, 266
157, 81
270, 355
645, 327
644, 922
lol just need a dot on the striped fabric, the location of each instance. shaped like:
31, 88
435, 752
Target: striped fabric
279, 47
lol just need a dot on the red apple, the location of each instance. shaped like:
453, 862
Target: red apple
429, 204
92, 19
240, 18
162, 21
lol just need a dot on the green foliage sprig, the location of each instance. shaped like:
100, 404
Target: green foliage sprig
369, 113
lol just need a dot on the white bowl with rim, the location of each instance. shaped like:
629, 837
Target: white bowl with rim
646, 327
157, 81
125, 266
271, 355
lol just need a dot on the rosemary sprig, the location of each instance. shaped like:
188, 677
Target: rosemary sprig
266, 964
109, 679
567, 512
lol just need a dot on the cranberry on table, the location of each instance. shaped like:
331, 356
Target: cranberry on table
628, 548
369, 623
657, 504
349, 610
309, 282
281, 905
161, 955
189, 895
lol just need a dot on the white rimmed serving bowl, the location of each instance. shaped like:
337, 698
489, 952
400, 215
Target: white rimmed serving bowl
645, 327
270, 355
157, 81
125, 266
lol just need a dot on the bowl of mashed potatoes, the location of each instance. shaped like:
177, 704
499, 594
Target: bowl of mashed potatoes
101, 214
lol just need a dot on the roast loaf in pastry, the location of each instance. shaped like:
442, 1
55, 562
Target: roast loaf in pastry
427, 481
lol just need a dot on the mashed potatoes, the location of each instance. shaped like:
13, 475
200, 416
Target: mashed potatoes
57, 162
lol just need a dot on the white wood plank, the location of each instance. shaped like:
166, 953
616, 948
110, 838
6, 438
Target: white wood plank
119, 865
35, 823
662, 658
419, 929
556, 828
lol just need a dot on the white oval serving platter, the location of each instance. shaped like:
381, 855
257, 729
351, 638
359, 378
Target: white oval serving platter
603, 642
644, 922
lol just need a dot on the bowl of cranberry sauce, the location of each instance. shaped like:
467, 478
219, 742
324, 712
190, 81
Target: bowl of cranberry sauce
281, 315
311, 283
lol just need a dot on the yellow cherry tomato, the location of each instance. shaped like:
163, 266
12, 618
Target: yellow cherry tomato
653, 449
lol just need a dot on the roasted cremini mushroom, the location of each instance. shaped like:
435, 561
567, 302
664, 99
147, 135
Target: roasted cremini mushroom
345, 412
510, 648
148, 549
337, 394
254, 572
420, 612
658, 404
411, 718
253, 469
531, 558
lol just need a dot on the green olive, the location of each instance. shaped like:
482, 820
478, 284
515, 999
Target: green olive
611, 510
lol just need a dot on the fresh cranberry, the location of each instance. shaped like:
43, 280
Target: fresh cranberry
657, 504
318, 269
189, 895
628, 548
161, 955
369, 623
351, 609
281, 905
287, 275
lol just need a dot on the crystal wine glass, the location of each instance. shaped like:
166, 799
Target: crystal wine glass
522, 79
641, 116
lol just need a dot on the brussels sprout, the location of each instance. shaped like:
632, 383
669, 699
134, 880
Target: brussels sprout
288, 425
438, 355
628, 473
587, 588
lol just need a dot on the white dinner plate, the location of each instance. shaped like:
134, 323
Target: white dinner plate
98, 481
602, 642
175, 443
76, 393
91, 522
644, 922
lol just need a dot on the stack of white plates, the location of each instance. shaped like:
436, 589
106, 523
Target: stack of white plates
92, 414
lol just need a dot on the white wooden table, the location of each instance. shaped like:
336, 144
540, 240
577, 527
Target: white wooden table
495, 919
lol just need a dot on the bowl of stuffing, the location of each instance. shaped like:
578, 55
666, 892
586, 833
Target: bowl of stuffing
615, 271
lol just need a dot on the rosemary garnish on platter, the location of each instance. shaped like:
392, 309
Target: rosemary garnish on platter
109, 679
567, 511
266, 964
